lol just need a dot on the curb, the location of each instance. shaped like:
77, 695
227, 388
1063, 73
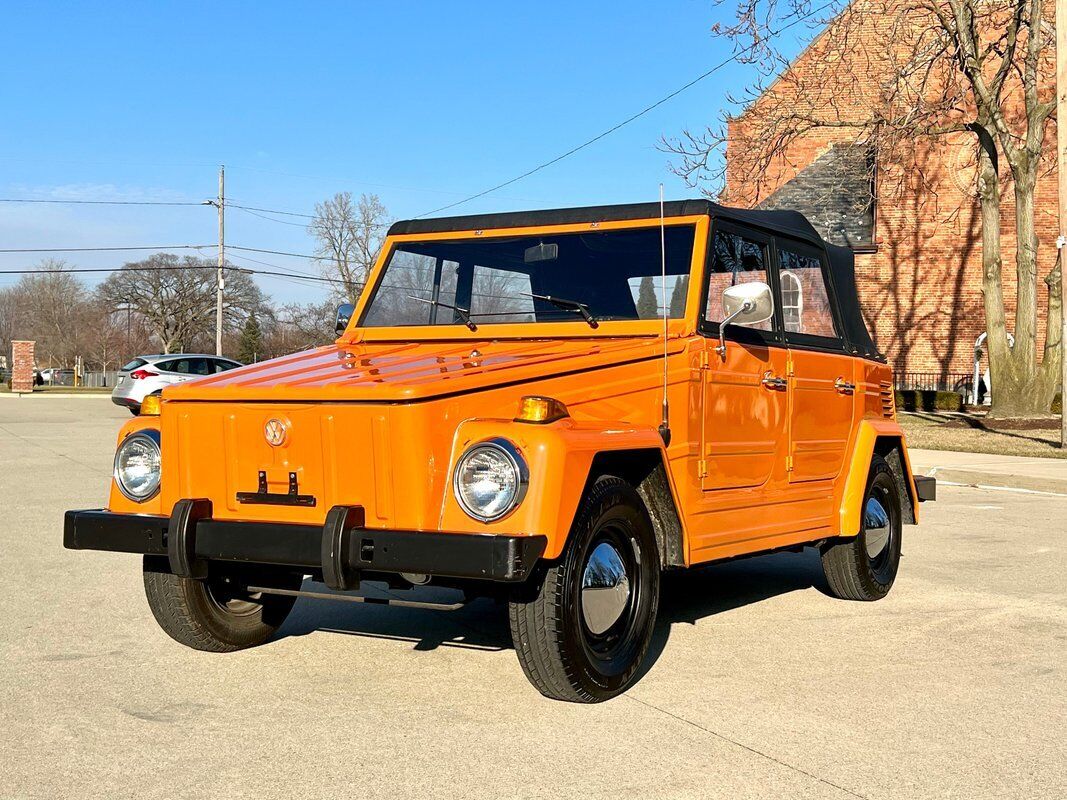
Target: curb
68, 395
992, 480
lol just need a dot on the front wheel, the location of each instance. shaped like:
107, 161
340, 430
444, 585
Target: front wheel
865, 566
582, 627
215, 614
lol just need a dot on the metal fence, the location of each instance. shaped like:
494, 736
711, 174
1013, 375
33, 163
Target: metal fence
934, 381
100, 379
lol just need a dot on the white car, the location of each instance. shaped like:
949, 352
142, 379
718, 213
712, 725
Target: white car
147, 375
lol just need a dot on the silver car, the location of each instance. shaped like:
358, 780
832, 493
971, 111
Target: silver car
147, 375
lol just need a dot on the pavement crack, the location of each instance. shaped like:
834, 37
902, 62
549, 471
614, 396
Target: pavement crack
46, 449
743, 746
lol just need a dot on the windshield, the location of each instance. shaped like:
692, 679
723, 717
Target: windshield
584, 277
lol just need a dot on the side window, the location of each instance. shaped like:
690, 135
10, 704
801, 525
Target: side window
735, 259
199, 366
222, 366
498, 295
805, 302
175, 365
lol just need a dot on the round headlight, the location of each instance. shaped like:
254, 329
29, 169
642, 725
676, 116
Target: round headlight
490, 479
137, 465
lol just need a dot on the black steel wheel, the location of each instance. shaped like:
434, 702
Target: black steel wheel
582, 626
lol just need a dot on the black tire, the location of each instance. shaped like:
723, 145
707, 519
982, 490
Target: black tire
215, 615
564, 654
864, 567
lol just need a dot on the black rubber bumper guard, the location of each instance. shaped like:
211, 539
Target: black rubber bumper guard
342, 548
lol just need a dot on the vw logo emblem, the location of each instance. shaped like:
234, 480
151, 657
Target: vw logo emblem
276, 431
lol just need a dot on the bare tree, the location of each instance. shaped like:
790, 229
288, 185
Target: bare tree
51, 300
899, 77
349, 237
295, 327
175, 297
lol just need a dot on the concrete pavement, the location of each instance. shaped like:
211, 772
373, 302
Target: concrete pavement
1046, 475
759, 685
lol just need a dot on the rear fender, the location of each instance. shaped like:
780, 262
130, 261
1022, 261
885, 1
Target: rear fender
560, 456
886, 438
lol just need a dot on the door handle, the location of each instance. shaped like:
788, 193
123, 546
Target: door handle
773, 382
844, 386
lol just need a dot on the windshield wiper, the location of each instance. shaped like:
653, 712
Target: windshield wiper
463, 313
566, 305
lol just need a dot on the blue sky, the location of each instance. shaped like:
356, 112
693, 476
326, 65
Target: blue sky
421, 103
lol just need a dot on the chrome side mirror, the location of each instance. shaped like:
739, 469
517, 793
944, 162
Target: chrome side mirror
344, 314
744, 304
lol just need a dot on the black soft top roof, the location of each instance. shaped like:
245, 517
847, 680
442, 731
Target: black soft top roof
792, 223
789, 223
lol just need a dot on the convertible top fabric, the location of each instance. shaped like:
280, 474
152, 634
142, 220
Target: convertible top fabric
788, 223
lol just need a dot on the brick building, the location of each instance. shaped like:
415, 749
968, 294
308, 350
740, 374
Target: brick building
913, 220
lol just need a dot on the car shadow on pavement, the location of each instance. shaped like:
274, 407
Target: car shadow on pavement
686, 598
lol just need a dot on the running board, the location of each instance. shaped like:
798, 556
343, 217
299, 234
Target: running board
355, 598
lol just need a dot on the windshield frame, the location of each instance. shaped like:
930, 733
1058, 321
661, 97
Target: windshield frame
576, 328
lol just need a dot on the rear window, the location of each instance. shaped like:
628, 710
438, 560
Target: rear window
137, 362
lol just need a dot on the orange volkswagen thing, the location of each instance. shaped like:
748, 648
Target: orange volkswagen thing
549, 407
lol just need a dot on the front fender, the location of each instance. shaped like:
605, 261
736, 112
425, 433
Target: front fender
851, 490
559, 456
117, 501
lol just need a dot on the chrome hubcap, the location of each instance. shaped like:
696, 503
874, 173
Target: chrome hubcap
877, 528
605, 589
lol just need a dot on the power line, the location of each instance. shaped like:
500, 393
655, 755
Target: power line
633, 117
104, 249
103, 202
272, 211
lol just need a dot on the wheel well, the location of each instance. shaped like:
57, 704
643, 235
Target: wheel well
644, 470
889, 448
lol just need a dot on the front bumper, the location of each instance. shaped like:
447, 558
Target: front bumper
342, 548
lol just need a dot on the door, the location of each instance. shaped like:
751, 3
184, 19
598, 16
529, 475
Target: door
822, 382
745, 390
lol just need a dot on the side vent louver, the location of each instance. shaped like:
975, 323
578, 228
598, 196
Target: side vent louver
889, 409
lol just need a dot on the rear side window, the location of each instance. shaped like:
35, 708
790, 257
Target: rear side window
137, 362
735, 259
805, 301
222, 366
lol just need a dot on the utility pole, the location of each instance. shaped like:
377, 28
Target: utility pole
221, 205
1061, 163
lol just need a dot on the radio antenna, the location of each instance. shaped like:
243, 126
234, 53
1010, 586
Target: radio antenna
665, 425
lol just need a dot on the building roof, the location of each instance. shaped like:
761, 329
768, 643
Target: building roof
835, 192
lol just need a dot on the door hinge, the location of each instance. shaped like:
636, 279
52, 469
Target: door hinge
788, 463
789, 368
702, 468
703, 362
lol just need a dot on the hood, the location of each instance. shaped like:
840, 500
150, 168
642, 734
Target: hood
411, 371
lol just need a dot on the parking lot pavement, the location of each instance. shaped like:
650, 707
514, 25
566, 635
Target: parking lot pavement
761, 685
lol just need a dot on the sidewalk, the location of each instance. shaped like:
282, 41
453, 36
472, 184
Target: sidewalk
982, 469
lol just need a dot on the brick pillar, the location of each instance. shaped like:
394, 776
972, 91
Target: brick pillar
22, 366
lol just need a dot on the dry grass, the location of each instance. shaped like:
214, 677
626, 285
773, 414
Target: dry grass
942, 432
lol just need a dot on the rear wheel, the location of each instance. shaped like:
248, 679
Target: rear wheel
581, 628
216, 614
865, 566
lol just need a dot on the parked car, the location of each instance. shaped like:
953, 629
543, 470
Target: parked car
147, 375
506, 412
57, 376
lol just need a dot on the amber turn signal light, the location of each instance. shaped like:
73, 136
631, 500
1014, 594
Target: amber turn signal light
540, 410
150, 405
